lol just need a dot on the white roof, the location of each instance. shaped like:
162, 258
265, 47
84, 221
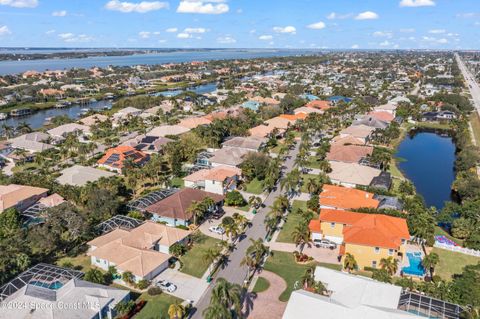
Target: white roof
352, 173
59, 131
80, 175
307, 305
165, 130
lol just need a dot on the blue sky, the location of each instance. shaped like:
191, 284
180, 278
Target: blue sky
335, 24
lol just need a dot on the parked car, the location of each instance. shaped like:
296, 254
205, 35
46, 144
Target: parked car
324, 243
217, 230
218, 214
166, 285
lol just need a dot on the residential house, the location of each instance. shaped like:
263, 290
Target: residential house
368, 237
348, 296
61, 132
371, 121
148, 144
168, 130
352, 174
307, 110
53, 293
115, 158
389, 108
348, 153
389, 202
228, 156
78, 175
382, 116
173, 209
319, 104
382, 181
34, 142
193, 122
144, 250
250, 143
93, 120
338, 197
360, 132
218, 180
20, 196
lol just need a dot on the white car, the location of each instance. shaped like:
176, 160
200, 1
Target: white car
167, 286
217, 230
324, 243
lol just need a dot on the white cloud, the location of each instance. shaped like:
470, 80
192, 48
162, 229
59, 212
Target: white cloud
19, 3
435, 40
50, 32
417, 3
265, 37
144, 34
203, 6
367, 15
71, 37
4, 30
140, 7
226, 40
355, 46
334, 15
383, 34
184, 35
437, 31
385, 43
195, 30
288, 29
171, 30
317, 25
442, 41
60, 13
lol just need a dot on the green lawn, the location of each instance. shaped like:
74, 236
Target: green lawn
313, 162
261, 285
244, 208
157, 306
439, 231
178, 182
305, 179
293, 219
475, 121
80, 262
284, 265
193, 261
451, 263
254, 186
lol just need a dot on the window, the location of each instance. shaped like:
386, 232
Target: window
332, 225
97, 260
374, 264
390, 252
377, 250
403, 241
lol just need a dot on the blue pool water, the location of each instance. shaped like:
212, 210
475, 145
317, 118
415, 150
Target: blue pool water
415, 268
53, 286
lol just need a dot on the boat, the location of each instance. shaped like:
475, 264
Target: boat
92, 100
3, 116
20, 112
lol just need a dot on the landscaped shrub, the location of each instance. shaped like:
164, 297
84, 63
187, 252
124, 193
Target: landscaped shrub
153, 291
182, 227
143, 284
177, 249
234, 198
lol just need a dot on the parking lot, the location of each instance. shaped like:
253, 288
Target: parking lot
188, 287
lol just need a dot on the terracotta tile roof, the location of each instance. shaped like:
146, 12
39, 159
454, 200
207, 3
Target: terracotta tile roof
294, 117
382, 116
261, 130
314, 226
115, 157
374, 230
319, 104
347, 140
360, 131
177, 204
193, 122
11, 195
218, 173
346, 198
348, 153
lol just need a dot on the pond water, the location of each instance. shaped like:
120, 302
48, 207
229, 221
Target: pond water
427, 159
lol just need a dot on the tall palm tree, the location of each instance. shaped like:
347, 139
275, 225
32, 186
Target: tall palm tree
216, 311
291, 181
228, 295
196, 210
176, 311
254, 254
7, 131
313, 186
24, 128
390, 264
231, 227
301, 235
430, 261
211, 255
350, 263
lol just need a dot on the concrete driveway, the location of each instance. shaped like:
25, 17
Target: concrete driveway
188, 287
229, 211
319, 254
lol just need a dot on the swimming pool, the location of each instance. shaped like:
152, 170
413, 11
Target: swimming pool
415, 268
53, 285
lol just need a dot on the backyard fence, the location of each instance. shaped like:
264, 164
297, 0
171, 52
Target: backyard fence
466, 251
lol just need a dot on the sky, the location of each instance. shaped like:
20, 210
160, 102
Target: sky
319, 24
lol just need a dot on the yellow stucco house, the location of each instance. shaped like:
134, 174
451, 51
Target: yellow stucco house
368, 237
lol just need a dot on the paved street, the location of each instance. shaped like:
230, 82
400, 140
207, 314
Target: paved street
233, 272
471, 83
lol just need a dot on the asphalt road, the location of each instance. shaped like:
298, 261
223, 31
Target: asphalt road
471, 83
234, 272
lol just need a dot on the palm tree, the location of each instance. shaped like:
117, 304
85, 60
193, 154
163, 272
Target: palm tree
430, 261
254, 254
128, 277
195, 210
291, 181
390, 264
211, 255
176, 311
216, 311
313, 186
24, 128
350, 263
255, 201
241, 220
308, 277
7, 130
231, 227
227, 295
301, 235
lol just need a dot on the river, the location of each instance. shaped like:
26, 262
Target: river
427, 159
13, 67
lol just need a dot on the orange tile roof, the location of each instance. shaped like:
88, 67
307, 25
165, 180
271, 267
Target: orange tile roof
318, 104
314, 226
123, 152
382, 116
374, 230
294, 117
346, 198
348, 153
